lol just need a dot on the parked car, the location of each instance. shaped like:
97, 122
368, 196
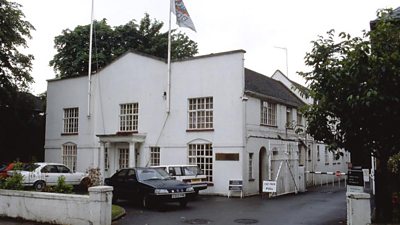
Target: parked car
149, 185
39, 175
4, 170
190, 174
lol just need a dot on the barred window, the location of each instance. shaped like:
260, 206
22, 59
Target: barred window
71, 117
69, 156
154, 156
202, 156
123, 158
128, 117
200, 113
326, 156
268, 113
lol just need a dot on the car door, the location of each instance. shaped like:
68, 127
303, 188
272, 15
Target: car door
51, 174
131, 185
70, 178
117, 181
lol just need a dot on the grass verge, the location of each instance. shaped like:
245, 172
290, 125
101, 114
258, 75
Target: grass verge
117, 212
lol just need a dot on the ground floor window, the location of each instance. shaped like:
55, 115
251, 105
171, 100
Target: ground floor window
123, 158
202, 155
69, 155
154, 156
106, 160
251, 166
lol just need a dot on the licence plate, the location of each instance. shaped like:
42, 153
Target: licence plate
179, 195
196, 180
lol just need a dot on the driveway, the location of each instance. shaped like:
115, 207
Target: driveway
318, 206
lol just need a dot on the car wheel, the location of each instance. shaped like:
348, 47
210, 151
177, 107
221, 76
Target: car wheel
183, 203
146, 202
39, 185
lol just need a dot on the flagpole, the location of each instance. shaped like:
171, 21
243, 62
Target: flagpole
90, 62
169, 60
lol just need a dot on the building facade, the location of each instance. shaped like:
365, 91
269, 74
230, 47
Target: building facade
234, 123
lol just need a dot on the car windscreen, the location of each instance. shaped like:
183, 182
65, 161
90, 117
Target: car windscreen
192, 171
30, 167
151, 174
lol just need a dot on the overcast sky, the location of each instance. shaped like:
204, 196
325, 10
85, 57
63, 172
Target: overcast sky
263, 28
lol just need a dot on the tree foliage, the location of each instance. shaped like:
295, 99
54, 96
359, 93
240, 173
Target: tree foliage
355, 82
15, 67
109, 43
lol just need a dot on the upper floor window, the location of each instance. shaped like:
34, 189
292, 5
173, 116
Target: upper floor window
289, 118
299, 119
200, 113
71, 117
268, 113
128, 117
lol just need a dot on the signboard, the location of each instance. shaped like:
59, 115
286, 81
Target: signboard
355, 178
366, 174
269, 186
235, 185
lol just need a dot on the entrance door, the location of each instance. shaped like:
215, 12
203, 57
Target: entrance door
262, 168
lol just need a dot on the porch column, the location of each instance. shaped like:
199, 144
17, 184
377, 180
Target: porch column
132, 154
101, 158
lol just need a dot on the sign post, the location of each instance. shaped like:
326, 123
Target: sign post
236, 185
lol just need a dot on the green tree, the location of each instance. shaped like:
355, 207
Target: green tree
355, 83
15, 67
109, 43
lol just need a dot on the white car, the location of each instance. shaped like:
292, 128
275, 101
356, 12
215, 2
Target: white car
39, 175
190, 174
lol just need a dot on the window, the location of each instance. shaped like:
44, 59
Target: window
326, 156
200, 113
309, 153
299, 119
202, 156
154, 156
69, 156
289, 118
106, 160
128, 117
251, 166
123, 158
318, 154
70, 119
268, 113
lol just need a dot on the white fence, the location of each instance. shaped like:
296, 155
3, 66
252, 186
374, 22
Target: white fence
94, 208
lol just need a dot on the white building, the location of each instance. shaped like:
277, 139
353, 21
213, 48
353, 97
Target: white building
234, 123
317, 157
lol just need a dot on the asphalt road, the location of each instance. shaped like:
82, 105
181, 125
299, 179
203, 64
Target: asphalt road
318, 206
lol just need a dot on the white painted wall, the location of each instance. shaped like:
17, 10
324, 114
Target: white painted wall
94, 208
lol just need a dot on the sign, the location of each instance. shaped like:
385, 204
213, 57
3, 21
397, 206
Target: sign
366, 174
355, 178
235, 185
269, 186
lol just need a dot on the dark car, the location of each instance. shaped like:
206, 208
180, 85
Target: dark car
150, 186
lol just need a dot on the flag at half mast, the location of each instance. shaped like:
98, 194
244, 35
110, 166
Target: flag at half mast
182, 16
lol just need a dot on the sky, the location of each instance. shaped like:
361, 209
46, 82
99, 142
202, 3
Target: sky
267, 30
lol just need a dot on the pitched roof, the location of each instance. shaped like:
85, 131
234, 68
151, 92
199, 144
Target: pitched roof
262, 86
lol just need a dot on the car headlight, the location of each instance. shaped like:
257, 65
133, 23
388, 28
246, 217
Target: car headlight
189, 189
160, 191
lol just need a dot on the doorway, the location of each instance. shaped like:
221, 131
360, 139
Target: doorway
262, 168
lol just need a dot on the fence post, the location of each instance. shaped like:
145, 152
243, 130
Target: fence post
100, 204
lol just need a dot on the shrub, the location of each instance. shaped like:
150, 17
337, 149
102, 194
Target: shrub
94, 176
13, 182
62, 187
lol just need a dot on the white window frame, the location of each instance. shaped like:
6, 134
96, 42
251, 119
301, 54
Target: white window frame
106, 159
251, 159
268, 113
299, 118
202, 156
70, 155
289, 117
155, 156
129, 117
200, 113
71, 120
123, 161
